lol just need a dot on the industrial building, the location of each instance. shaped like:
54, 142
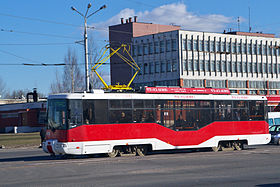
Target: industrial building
246, 63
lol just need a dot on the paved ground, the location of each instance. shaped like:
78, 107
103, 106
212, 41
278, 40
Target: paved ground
256, 166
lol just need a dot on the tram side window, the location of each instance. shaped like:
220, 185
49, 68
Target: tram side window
88, 112
75, 113
143, 116
240, 111
120, 103
120, 116
223, 111
256, 109
100, 111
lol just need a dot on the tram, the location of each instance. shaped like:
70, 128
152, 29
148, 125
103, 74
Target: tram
158, 119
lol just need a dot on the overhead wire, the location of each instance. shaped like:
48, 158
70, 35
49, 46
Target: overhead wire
41, 34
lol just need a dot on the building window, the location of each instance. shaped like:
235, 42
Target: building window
161, 44
238, 50
174, 44
206, 46
228, 47
249, 49
216, 83
244, 67
218, 46
185, 65
212, 46
262, 92
146, 49
174, 65
264, 68
234, 67
195, 45
207, 65
168, 45
249, 67
243, 48
223, 66
229, 69
259, 49
274, 85
238, 67
140, 50
146, 69
236, 84
156, 47
254, 67
151, 48
184, 44
254, 50
213, 68
168, 64
195, 65
269, 68
189, 45
257, 84
190, 65
264, 50
253, 92
193, 83
201, 65
151, 68
233, 47
141, 70
259, 68
157, 68
278, 51
223, 47
163, 67
218, 66
274, 68
134, 50
200, 45
269, 50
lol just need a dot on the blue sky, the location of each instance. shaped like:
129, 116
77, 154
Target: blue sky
44, 30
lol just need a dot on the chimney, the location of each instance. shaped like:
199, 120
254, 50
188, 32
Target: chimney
121, 20
135, 18
130, 19
126, 21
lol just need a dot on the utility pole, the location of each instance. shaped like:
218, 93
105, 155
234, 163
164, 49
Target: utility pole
85, 40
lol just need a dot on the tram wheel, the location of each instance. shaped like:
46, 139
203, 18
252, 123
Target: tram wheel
114, 153
142, 150
216, 149
228, 146
238, 146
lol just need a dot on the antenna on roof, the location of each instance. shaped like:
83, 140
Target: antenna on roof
238, 23
250, 28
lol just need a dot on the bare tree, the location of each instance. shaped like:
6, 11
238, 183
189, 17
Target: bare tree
72, 79
2, 89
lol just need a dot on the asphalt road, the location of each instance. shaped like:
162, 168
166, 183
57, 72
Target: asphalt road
256, 166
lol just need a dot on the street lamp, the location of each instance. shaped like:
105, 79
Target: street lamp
85, 39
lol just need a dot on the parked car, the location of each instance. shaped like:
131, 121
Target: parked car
275, 134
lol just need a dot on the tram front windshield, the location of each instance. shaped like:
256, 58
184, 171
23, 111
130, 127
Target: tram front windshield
57, 114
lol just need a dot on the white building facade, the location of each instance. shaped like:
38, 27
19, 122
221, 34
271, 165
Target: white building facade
246, 63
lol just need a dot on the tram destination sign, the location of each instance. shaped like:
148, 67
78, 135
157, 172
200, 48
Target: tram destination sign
217, 91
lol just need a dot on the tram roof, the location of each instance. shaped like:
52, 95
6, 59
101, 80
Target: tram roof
106, 95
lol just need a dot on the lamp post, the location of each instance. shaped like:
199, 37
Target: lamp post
85, 16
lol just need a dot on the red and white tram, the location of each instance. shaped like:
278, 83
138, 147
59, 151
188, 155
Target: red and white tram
121, 123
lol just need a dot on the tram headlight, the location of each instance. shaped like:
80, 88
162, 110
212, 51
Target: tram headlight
64, 145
